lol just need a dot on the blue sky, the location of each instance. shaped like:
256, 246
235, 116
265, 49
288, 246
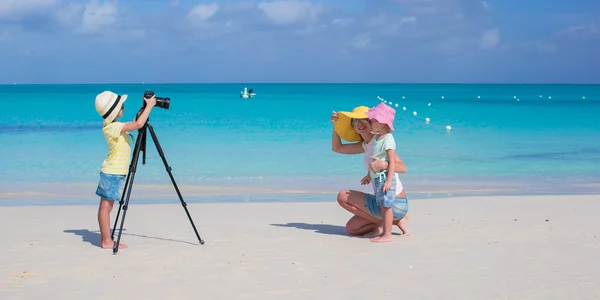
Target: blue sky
495, 41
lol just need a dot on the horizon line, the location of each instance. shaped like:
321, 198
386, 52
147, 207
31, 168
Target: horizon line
353, 83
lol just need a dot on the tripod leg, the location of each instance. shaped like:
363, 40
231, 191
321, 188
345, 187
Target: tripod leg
132, 167
128, 187
112, 235
183, 203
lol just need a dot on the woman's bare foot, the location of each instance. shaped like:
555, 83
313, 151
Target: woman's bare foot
111, 245
382, 239
375, 233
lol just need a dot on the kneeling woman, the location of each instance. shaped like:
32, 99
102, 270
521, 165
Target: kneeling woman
354, 127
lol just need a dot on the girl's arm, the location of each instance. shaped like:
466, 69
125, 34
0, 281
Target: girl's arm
139, 123
391, 164
338, 147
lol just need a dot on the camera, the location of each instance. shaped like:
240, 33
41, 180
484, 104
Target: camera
160, 101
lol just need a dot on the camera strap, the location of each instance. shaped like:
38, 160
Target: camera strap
112, 107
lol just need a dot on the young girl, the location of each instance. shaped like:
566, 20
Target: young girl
116, 165
381, 118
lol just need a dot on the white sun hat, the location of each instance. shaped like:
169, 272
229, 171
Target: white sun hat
108, 105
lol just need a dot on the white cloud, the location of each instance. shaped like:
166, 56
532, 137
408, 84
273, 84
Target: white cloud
203, 12
98, 14
290, 11
15, 9
486, 6
490, 39
409, 19
343, 22
70, 15
583, 30
389, 25
361, 42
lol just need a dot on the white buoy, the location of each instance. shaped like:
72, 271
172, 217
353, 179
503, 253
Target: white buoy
427, 120
414, 113
478, 97
518, 99
514, 97
540, 96
428, 104
396, 104
448, 127
402, 97
442, 97
384, 101
391, 103
583, 97
549, 97
404, 108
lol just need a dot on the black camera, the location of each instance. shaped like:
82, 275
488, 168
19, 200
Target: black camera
160, 101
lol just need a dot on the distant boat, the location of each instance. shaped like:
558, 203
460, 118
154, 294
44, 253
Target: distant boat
247, 93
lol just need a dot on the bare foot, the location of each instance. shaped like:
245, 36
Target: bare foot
403, 228
375, 233
402, 225
382, 239
111, 245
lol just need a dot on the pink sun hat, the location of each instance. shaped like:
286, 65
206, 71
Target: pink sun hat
383, 113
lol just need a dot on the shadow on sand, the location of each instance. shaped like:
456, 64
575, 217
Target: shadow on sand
323, 228
318, 228
93, 237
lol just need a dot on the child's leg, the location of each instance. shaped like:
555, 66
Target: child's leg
378, 193
104, 210
387, 214
388, 219
402, 225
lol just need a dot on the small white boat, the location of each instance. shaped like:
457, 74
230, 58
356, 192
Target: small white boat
247, 93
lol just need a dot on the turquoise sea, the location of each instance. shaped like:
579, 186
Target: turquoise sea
505, 139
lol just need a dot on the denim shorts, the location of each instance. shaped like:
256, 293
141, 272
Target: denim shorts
385, 199
399, 207
110, 186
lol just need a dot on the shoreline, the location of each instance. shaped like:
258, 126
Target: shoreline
83, 193
287, 190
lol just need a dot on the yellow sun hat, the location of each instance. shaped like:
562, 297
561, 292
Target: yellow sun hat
343, 126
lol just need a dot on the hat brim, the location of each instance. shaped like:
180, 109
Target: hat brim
343, 126
372, 115
113, 115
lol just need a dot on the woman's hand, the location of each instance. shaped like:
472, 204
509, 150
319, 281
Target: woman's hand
377, 164
334, 117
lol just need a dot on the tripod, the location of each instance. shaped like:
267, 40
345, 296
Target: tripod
140, 146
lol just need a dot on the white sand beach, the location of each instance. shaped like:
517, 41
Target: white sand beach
535, 247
